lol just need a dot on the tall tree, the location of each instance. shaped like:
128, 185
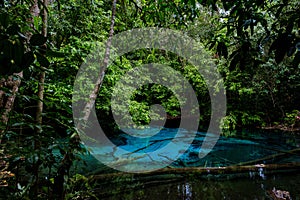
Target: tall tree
92, 98
42, 74
40, 94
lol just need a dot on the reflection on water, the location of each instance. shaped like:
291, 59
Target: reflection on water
243, 147
236, 189
261, 173
185, 190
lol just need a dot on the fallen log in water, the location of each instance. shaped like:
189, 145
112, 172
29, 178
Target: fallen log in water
122, 181
252, 165
239, 167
199, 171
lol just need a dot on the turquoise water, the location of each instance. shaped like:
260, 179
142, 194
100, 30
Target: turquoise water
243, 146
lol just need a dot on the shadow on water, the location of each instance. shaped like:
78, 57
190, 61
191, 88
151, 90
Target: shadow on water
235, 189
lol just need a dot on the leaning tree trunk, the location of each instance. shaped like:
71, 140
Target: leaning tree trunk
67, 160
92, 98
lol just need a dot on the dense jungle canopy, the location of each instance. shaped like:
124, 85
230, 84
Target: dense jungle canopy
254, 44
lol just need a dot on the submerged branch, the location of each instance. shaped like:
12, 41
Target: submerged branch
278, 155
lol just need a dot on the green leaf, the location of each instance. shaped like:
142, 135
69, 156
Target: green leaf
279, 55
18, 52
291, 51
55, 54
42, 60
28, 59
222, 49
213, 43
296, 60
37, 40
13, 29
4, 19
36, 21
193, 3
234, 62
19, 124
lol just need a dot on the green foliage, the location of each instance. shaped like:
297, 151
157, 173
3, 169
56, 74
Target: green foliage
255, 45
291, 118
79, 187
38, 158
144, 97
13, 57
242, 119
17, 52
229, 122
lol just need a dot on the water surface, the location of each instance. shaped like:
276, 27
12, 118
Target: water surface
262, 147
